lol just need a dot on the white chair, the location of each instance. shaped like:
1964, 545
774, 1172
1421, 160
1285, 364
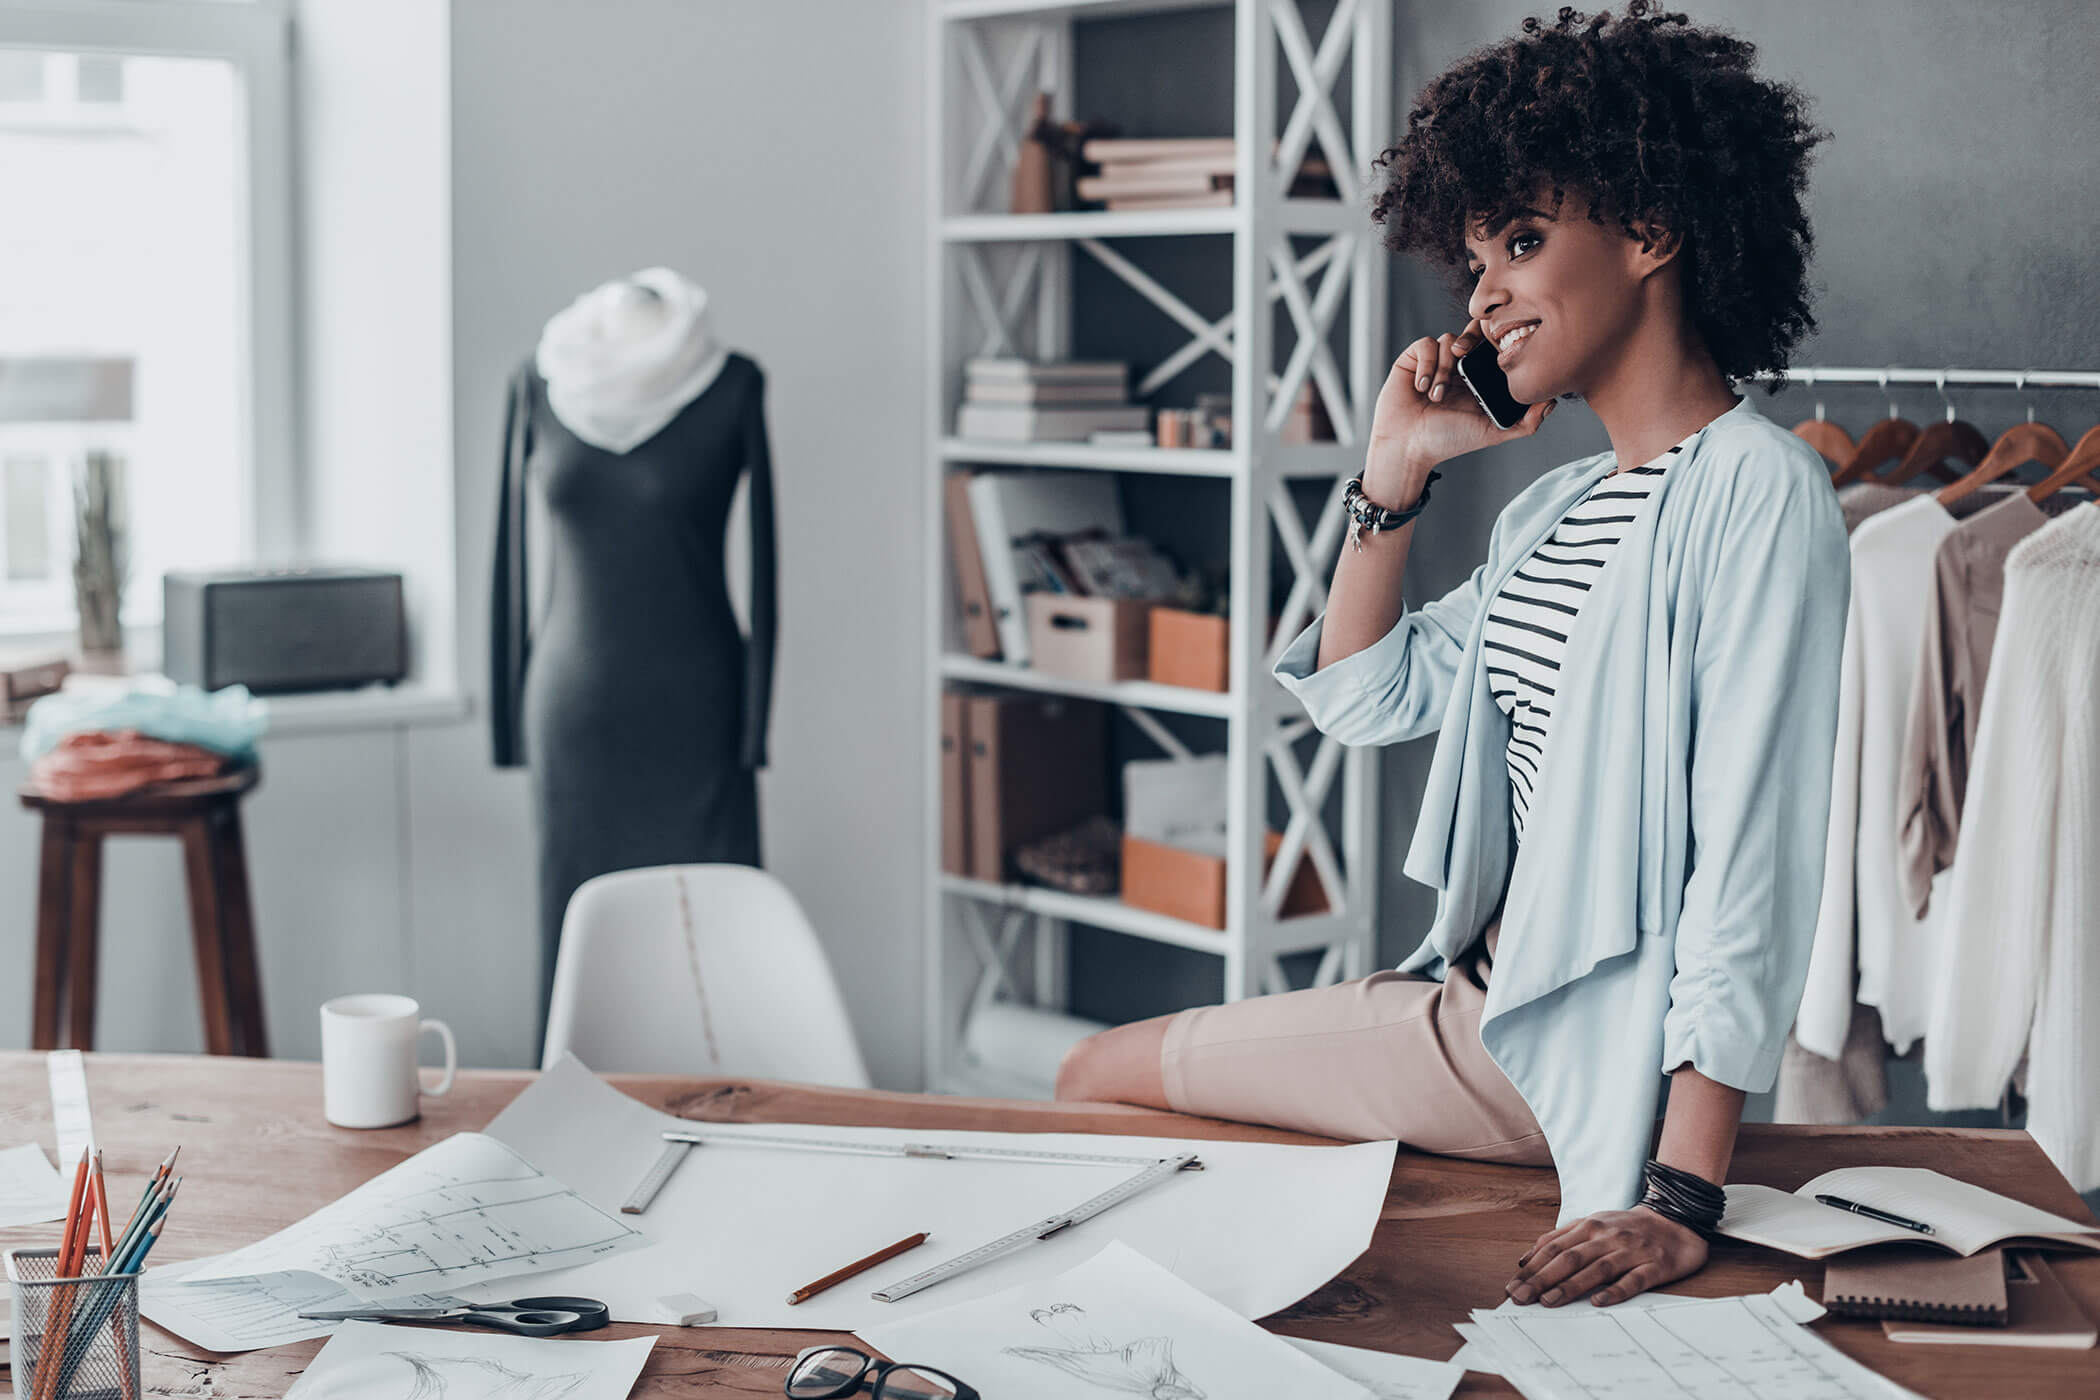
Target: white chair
700, 970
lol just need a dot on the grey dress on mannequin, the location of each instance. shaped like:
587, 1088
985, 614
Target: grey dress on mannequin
636, 702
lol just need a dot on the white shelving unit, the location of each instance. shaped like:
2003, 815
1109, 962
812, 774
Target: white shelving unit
1000, 284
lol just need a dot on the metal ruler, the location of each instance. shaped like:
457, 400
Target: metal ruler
1042, 1229
914, 1149
653, 1181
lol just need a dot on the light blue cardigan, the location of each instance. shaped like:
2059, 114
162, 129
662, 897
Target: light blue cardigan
1662, 904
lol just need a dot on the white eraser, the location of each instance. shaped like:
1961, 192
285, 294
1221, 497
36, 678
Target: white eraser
685, 1310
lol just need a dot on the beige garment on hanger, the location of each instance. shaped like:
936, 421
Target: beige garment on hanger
1810, 1088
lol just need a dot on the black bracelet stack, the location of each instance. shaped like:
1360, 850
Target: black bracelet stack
1679, 1195
1365, 514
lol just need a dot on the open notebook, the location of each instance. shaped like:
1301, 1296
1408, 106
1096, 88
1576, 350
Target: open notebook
1965, 1218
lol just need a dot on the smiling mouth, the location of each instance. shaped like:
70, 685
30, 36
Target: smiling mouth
1507, 348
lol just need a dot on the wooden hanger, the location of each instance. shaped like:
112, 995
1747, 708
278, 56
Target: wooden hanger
2020, 444
1828, 438
1886, 441
2084, 458
1939, 441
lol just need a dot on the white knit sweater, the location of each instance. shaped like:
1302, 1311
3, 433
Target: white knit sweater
2020, 951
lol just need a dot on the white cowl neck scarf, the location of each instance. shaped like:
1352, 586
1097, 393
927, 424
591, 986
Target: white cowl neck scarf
614, 388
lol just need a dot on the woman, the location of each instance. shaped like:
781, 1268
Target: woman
1635, 694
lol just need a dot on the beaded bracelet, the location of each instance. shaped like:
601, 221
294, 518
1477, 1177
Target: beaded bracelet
1365, 514
1682, 1196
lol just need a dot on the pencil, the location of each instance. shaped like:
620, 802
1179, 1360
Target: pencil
73, 1217
109, 1254
101, 1189
62, 1299
808, 1291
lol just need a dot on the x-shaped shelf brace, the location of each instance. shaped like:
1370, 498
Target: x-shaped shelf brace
1219, 336
1003, 132
999, 311
1315, 76
1313, 320
1306, 557
1336, 964
995, 947
1304, 793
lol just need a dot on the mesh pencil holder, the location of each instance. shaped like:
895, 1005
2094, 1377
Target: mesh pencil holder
75, 1338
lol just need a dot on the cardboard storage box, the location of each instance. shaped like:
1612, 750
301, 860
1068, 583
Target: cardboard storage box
1190, 885
1089, 639
1189, 649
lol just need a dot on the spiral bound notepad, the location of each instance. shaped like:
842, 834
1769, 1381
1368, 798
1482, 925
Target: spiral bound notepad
1916, 1286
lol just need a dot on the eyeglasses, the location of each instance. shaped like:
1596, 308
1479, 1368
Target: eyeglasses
822, 1373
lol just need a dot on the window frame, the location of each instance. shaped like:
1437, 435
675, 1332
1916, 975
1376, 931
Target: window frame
255, 36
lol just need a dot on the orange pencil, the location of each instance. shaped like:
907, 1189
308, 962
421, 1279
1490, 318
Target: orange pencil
102, 1207
73, 1219
73, 1244
811, 1290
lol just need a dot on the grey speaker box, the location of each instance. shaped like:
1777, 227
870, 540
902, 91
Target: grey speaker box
280, 630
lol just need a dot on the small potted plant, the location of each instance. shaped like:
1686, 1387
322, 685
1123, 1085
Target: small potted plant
100, 561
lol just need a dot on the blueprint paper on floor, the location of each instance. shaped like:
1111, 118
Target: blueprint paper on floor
365, 1360
1115, 1324
468, 1209
742, 1227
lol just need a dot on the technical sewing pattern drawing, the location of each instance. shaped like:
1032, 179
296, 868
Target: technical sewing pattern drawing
1142, 1367
480, 1378
466, 1209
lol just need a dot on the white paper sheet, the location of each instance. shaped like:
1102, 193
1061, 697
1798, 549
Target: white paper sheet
1117, 1321
1793, 1300
251, 1311
462, 1211
1742, 1348
1258, 1229
72, 1120
30, 1189
369, 1359
1387, 1375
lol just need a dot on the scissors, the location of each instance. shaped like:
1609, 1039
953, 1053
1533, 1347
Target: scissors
527, 1317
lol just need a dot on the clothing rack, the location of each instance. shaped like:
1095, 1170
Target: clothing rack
2022, 379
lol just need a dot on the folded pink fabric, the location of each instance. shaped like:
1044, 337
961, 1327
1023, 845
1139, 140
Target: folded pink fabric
100, 764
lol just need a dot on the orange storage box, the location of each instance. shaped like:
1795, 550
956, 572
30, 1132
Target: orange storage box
1189, 885
1190, 649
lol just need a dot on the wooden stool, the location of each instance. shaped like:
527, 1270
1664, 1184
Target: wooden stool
206, 814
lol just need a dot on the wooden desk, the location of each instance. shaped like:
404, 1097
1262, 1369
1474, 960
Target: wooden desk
258, 1156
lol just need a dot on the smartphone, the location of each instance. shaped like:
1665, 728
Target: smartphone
1483, 375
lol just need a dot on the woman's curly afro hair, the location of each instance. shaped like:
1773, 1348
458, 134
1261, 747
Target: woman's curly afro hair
1650, 118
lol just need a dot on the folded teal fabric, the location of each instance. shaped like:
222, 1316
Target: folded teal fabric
226, 721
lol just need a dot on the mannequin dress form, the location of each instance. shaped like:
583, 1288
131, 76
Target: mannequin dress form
636, 702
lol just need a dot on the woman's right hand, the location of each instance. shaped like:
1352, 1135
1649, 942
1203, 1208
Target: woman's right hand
1427, 415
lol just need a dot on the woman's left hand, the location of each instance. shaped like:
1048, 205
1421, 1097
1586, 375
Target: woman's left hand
1609, 1257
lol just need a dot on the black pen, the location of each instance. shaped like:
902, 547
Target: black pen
1842, 1204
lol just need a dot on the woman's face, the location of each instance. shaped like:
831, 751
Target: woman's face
1574, 282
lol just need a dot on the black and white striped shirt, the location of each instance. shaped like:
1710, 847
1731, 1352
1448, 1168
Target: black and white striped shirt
1529, 618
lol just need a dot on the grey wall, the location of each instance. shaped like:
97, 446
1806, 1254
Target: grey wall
772, 152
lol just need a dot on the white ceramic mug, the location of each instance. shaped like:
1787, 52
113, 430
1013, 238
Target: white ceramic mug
368, 1060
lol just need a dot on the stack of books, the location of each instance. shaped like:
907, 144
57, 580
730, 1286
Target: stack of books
1011, 400
1180, 174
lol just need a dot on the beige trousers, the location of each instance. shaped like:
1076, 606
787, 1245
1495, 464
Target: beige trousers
1392, 1055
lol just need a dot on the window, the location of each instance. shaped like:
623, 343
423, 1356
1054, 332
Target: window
144, 291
